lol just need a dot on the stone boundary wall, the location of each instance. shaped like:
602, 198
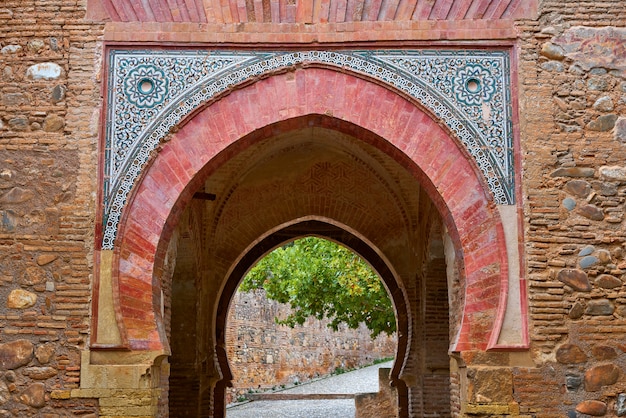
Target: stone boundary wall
265, 355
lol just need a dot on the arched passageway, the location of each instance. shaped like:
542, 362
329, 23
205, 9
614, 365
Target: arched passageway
301, 153
287, 179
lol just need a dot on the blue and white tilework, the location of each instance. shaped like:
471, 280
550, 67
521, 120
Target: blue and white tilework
151, 91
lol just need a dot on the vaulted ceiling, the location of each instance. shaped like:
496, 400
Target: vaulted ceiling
314, 11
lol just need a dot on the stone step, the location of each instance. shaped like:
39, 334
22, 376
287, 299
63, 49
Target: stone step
298, 396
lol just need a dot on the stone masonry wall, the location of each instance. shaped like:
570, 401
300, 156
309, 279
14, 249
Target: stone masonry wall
49, 98
265, 355
573, 134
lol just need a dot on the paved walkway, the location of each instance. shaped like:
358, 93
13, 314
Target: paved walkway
344, 385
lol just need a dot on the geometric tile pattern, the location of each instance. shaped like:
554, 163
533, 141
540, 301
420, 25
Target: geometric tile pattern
151, 91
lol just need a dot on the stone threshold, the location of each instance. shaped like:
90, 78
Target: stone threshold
298, 396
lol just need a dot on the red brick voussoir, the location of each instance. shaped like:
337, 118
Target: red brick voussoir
281, 102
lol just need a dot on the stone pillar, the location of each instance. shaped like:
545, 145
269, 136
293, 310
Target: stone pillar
124, 383
486, 382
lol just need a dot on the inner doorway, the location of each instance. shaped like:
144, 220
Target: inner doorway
309, 309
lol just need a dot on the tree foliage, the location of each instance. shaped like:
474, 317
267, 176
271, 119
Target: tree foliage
319, 278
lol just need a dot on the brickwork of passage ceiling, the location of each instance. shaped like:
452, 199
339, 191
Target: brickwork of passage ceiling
314, 11
151, 91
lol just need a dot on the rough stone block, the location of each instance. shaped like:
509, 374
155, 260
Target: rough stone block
603, 123
604, 104
600, 307
591, 212
492, 386
552, 51
570, 354
21, 299
607, 281
619, 131
44, 71
18, 123
44, 352
576, 279
573, 172
588, 261
579, 188
592, 407
599, 376
615, 173
40, 373
573, 381
620, 405
53, 123
603, 352
577, 310
34, 395
16, 354
44, 259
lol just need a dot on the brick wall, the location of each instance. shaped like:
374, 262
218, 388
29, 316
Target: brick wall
49, 97
436, 373
263, 354
572, 100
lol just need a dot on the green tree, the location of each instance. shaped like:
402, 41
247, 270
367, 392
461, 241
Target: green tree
319, 278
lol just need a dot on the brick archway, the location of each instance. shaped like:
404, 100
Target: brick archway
396, 126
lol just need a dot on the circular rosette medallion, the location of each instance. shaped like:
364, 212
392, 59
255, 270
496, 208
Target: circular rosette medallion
474, 85
146, 86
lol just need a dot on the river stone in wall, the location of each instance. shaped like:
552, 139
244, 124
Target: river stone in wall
21, 299
34, 395
44, 71
15, 354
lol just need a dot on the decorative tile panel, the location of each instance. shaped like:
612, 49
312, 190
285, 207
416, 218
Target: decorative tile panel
151, 91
